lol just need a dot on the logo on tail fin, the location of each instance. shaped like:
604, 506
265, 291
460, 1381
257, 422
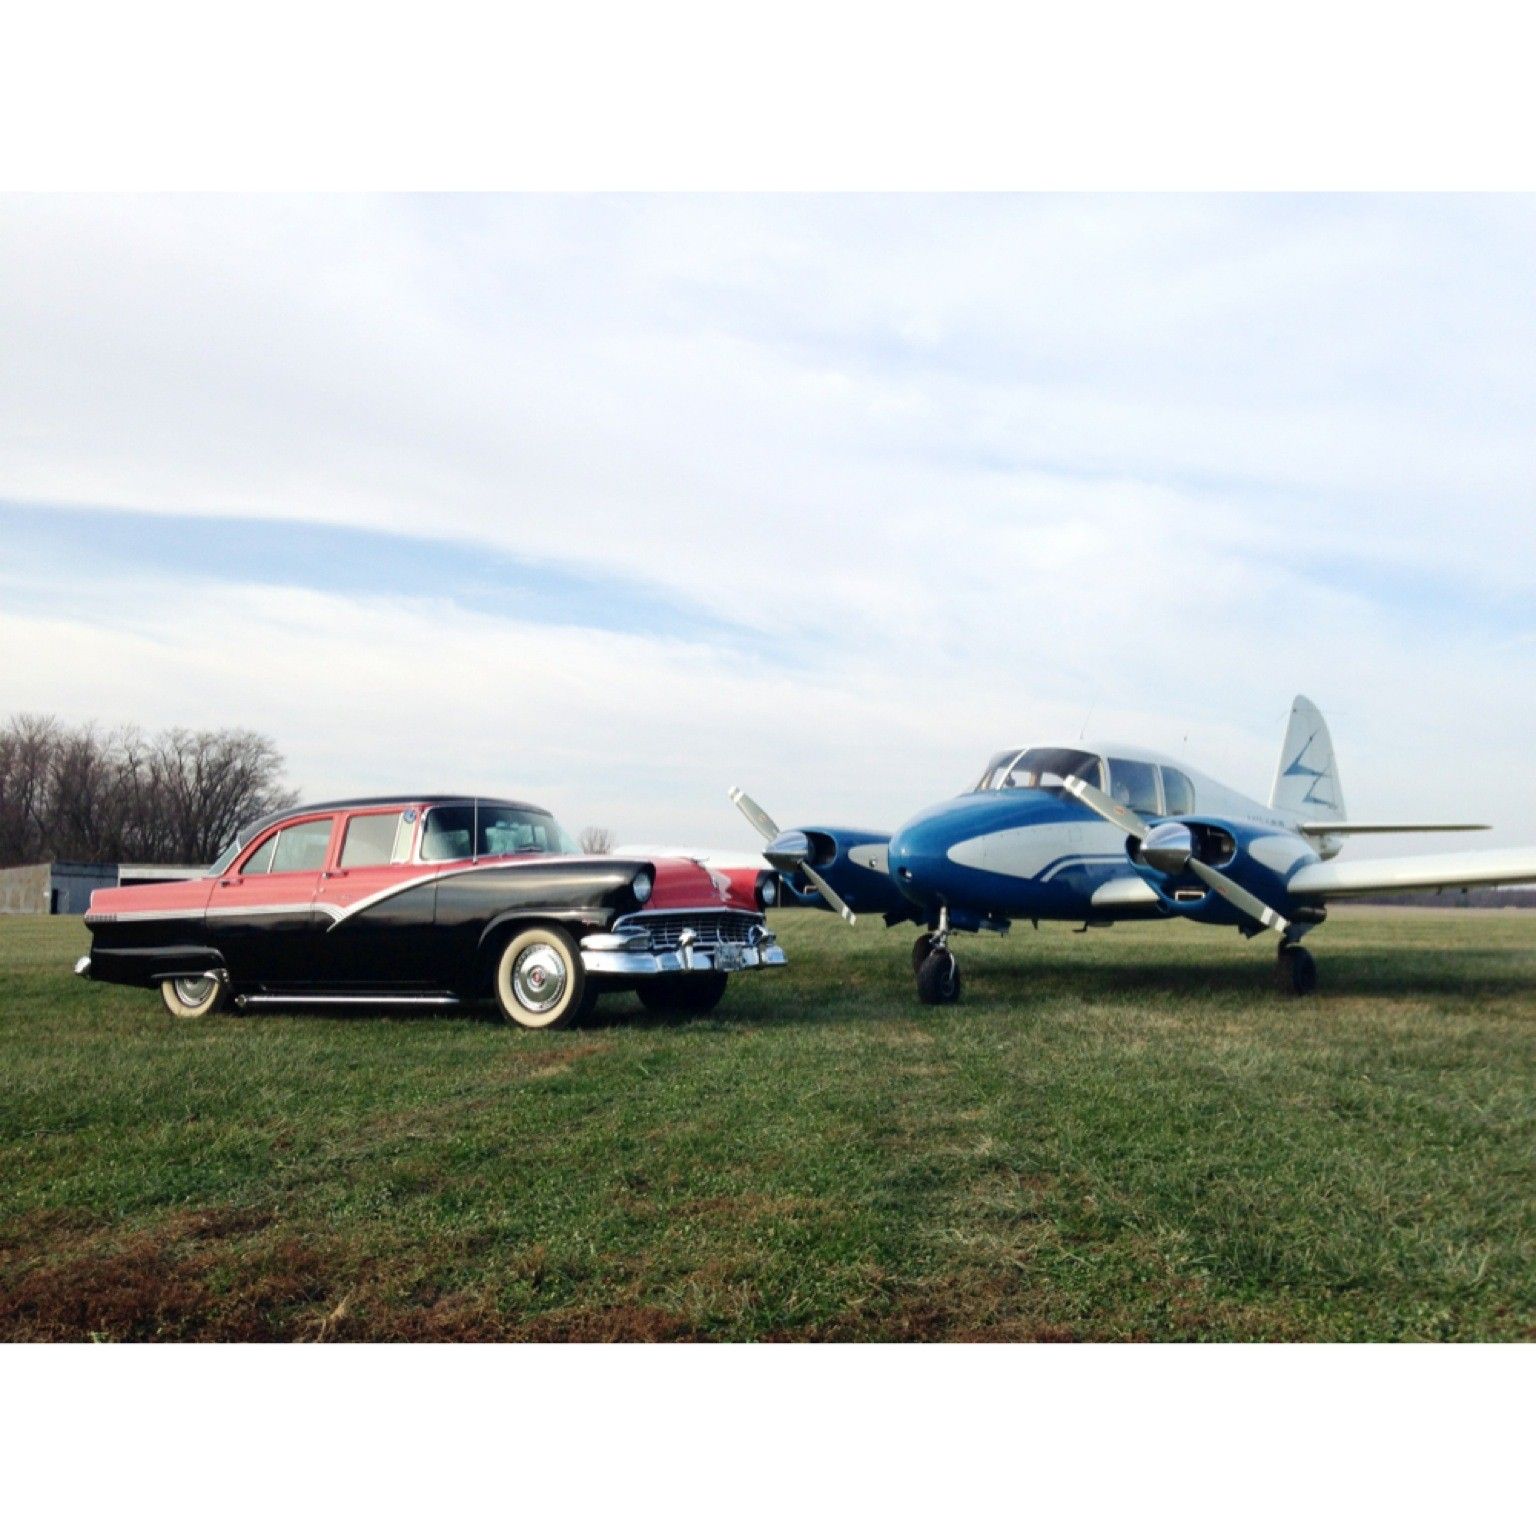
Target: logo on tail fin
1298, 769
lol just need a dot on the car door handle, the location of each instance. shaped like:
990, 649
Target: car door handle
334, 874
232, 882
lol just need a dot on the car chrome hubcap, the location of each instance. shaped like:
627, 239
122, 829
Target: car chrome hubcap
194, 993
538, 978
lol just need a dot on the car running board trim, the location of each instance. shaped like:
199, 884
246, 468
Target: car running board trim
360, 999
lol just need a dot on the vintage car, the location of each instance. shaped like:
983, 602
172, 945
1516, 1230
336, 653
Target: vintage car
432, 900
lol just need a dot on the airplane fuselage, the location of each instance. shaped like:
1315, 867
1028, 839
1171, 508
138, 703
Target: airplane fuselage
993, 856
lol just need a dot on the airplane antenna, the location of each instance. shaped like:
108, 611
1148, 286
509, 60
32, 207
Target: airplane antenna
1089, 716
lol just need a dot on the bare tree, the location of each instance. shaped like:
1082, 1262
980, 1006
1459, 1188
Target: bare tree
83, 794
27, 746
211, 783
596, 840
82, 805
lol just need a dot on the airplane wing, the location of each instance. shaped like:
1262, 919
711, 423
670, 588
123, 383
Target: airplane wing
1351, 828
1419, 872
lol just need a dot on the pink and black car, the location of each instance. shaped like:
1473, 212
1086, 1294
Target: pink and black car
432, 900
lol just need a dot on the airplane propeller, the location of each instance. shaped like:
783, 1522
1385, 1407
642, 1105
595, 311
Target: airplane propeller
788, 852
1170, 848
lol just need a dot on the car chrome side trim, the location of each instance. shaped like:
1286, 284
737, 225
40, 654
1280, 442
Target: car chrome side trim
480, 869
361, 999
179, 914
277, 909
163, 915
343, 913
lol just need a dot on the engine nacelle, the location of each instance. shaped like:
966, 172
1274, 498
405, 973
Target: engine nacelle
851, 861
1260, 858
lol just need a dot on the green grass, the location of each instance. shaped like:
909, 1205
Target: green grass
1117, 1135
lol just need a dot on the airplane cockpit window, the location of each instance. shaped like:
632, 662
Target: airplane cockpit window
1178, 793
1041, 768
1134, 784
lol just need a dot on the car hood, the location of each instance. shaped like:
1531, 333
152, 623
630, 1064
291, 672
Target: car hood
687, 883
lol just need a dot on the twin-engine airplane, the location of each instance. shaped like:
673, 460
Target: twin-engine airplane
1105, 834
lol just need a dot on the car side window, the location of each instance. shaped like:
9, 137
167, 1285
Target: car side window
370, 839
302, 847
1178, 792
260, 861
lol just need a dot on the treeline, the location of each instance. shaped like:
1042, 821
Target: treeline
176, 797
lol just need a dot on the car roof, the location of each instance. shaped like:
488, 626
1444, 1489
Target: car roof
363, 802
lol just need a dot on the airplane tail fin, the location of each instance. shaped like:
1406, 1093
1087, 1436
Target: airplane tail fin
1307, 777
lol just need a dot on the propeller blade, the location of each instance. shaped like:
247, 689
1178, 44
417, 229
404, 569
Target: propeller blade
791, 852
1110, 809
831, 897
766, 826
1243, 900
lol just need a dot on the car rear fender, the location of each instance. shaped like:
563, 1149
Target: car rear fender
150, 967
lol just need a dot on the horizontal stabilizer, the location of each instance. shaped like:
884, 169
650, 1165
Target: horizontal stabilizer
1421, 872
1355, 828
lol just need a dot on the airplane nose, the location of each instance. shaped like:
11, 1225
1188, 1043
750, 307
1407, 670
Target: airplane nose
918, 855
920, 860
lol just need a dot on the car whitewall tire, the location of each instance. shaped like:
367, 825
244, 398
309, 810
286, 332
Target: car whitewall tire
193, 997
540, 982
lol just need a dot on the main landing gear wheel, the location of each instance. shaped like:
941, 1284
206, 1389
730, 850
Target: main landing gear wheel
193, 997
938, 977
682, 995
925, 946
1295, 971
540, 982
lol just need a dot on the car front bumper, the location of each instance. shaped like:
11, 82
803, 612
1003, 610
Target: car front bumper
623, 954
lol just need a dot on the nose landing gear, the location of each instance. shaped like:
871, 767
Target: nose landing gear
937, 970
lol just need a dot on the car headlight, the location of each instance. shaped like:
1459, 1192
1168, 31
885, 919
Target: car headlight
641, 886
767, 888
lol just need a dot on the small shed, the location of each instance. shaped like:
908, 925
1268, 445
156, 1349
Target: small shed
63, 887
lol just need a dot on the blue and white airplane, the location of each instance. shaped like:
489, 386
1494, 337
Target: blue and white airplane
1099, 834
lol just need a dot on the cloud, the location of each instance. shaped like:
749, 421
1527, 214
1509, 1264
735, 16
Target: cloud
941, 473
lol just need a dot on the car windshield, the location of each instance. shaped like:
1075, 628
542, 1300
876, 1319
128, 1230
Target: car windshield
486, 829
1040, 768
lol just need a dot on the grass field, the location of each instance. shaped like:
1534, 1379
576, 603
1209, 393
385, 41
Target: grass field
1119, 1135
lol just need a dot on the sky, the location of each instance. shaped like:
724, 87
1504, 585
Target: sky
611, 503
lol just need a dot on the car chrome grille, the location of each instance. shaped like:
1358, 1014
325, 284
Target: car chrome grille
711, 928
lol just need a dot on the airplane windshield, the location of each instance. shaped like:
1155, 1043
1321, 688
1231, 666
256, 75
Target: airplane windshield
1041, 768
